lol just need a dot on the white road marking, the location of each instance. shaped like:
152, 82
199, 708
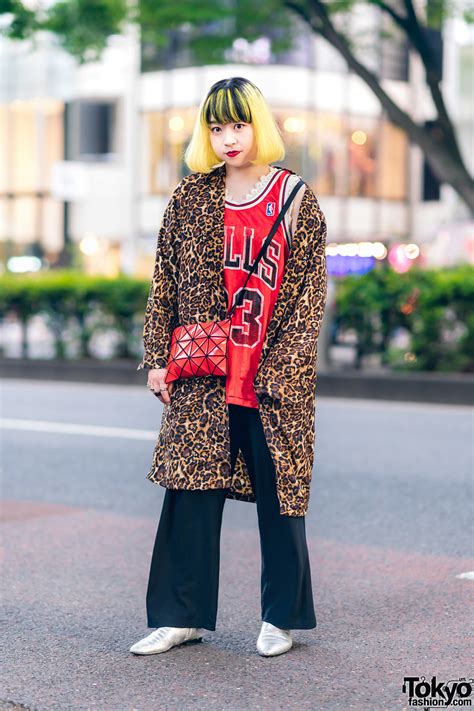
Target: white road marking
466, 576
77, 429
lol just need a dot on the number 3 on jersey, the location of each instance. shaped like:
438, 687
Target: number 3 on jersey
247, 318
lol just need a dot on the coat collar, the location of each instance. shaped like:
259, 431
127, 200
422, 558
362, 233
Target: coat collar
295, 268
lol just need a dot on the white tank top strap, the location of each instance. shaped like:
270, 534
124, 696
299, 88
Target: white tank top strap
290, 184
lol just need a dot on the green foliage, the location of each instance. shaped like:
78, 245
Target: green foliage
24, 21
435, 307
92, 303
212, 26
442, 334
20, 295
83, 27
122, 298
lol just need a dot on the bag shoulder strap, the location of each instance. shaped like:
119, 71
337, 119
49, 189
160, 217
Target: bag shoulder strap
269, 238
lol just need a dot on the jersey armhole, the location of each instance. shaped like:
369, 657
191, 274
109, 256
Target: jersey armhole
288, 219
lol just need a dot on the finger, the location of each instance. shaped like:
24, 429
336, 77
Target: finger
162, 397
165, 390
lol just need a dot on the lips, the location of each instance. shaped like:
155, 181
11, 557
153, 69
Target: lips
231, 154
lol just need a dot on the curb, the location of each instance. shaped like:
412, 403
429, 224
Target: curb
447, 388
441, 388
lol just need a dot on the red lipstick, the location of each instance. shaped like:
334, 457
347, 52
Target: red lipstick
231, 154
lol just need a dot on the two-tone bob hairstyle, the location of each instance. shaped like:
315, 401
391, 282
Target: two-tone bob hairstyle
232, 100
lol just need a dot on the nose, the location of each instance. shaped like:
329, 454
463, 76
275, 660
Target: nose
229, 138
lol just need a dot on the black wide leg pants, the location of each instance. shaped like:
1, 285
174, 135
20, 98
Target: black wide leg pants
184, 573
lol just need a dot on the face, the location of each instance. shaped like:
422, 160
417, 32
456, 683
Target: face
233, 143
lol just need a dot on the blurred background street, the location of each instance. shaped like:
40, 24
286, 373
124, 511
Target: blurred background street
374, 101
389, 532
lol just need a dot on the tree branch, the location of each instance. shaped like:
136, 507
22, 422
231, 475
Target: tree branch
398, 19
334, 37
447, 163
416, 32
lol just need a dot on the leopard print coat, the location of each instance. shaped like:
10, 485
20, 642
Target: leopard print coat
193, 446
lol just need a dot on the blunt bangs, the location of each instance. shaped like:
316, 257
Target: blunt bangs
226, 105
233, 100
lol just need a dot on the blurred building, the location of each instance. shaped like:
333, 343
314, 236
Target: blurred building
92, 153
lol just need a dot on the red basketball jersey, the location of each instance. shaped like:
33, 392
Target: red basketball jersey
246, 227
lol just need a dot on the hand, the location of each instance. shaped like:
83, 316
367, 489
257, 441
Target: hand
156, 381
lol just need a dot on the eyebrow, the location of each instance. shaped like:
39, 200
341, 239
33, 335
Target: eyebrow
216, 123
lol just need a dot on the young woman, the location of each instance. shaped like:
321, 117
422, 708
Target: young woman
248, 435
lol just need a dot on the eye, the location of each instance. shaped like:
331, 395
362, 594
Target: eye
215, 128
239, 124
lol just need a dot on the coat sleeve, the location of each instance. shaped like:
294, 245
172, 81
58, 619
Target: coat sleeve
291, 362
161, 312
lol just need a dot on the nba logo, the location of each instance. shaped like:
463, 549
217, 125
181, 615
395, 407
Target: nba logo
270, 210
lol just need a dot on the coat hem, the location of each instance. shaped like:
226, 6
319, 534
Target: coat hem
237, 495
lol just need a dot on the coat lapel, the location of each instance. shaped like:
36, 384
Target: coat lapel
215, 237
293, 275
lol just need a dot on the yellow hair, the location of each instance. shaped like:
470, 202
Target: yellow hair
229, 100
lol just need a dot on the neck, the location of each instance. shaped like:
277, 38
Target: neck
247, 172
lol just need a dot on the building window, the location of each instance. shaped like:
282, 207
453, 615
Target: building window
295, 126
328, 151
394, 59
96, 128
392, 168
31, 142
91, 129
167, 136
431, 184
336, 155
361, 142
393, 62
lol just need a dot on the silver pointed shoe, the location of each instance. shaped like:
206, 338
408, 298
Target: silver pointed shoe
273, 640
164, 638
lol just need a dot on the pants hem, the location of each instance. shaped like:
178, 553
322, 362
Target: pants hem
172, 623
309, 625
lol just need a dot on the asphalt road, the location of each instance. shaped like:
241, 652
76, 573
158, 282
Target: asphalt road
389, 530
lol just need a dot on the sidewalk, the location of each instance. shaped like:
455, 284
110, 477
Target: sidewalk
447, 388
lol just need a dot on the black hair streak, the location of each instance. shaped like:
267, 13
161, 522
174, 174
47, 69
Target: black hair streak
228, 112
